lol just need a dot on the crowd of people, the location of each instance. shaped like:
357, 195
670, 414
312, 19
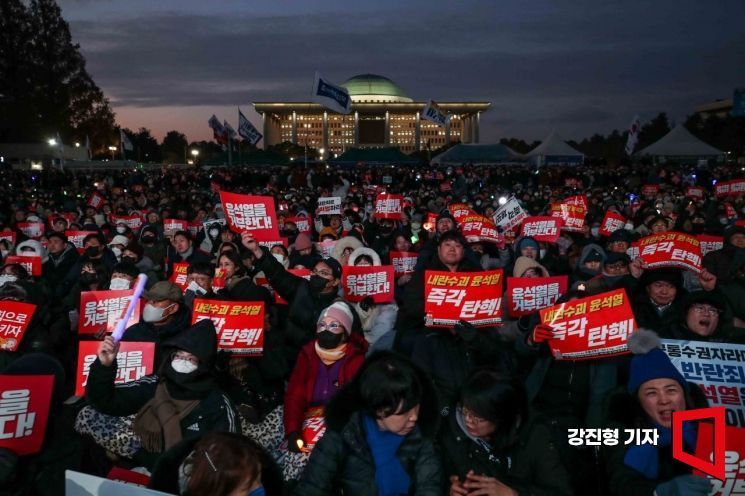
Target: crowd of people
407, 408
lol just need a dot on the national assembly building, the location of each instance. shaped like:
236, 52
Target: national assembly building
382, 116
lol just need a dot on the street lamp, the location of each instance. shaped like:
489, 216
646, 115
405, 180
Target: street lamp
52, 142
112, 149
77, 144
194, 154
322, 151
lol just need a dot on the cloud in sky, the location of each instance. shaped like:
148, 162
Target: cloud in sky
579, 67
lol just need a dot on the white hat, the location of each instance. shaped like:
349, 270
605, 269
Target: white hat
119, 239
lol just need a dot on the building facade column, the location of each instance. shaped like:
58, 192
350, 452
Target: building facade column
464, 129
418, 132
387, 133
447, 132
265, 129
325, 138
356, 128
476, 122
294, 128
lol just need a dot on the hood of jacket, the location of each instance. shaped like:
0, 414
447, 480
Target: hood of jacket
343, 244
524, 263
364, 251
200, 340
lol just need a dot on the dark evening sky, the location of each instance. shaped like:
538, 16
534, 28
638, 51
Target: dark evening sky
578, 67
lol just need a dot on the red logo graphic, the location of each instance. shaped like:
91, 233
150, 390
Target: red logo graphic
717, 414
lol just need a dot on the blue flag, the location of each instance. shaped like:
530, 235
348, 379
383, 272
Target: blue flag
331, 96
247, 130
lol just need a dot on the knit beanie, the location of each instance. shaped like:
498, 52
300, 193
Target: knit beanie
302, 242
649, 361
340, 312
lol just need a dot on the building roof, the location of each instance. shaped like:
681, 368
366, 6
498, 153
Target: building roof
680, 143
373, 156
554, 146
477, 154
371, 87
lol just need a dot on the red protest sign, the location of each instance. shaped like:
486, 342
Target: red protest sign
736, 187
526, 295
314, 427
133, 222
32, 264
458, 211
263, 281
31, 229
650, 190
670, 249
246, 213
450, 297
194, 228
96, 201
239, 325
722, 188
171, 226
329, 205
572, 215
9, 236
733, 482
611, 222
133, 361
591, 327
695, 192
24, 406
542, 229
303, 224
359, 282
15, 317
710, 243
270, 241
403, 262
77, 237
477, 228
578, 201
730, 210
180, 274
129, 477
103, 309
218, 281
388, 206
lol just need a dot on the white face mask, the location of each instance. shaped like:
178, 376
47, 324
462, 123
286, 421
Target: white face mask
119, 283
4, 253
117, 252
121, 229
196, 288
151, 313
214, 233
183, 366
280, 257
541, 253
7, 278
629, 227
594, 231
415, 226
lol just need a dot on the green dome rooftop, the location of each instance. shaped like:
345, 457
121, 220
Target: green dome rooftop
371, 87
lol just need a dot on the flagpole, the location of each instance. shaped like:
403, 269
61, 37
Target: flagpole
230, 150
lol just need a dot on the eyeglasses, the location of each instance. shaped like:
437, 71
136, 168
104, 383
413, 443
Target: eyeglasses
333, 326
469, 415
698, 308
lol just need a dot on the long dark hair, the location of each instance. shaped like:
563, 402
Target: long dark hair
221, 461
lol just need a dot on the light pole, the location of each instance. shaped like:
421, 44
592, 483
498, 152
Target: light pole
194, 154
112, 149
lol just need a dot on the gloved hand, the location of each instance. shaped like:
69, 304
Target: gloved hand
465, 330
295, 442
684, 485
541, 333
367, 303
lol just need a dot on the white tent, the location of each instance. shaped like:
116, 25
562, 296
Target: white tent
554, 150
680, 143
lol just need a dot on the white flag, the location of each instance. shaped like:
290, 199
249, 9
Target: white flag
435, 114
247, 130
331, 96
633, 135
126, 143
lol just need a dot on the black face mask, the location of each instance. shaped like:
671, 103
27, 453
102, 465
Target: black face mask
92, 251
86, 279
697, 228
328, 340
148, 240
317, 283
131, 260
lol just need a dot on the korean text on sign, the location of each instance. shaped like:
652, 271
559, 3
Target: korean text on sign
591, 327
509, 215
246, 213
361, 282
733, 483
403, 262
15, 317
329, 205
24, 410
542, 229
526, 295
133, 361
670, 249
102, 310
239, 325
389, 206
474, 297
717, 368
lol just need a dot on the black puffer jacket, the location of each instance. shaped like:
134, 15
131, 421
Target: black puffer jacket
215, 411
341, 462
531, 466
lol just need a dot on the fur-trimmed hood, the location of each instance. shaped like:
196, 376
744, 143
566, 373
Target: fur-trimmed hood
346, 403
364, 251
343, 244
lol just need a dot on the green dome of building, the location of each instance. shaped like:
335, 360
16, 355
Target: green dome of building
374, 88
